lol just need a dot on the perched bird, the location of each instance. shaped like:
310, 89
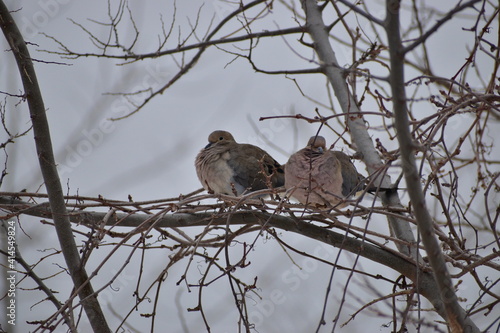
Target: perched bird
227, 167
318, 177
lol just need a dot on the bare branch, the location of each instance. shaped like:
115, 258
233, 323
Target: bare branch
355, 123
455, 315
460, 7
48, 167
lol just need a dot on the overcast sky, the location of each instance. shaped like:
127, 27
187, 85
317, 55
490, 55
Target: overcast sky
150, 155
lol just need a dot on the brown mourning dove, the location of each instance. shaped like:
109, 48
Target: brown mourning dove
227, 167
318, 177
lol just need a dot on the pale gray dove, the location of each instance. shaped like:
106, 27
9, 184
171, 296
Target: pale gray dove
227, 167
318, 177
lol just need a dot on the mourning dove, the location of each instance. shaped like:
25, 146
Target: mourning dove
227, 167
318, 176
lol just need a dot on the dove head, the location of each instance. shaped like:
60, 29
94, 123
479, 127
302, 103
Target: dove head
317, 143
219, 137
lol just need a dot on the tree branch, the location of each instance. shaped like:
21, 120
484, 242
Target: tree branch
355, 8
67, 53
356, 123
219, 215
360, 136
422, 278
49, 171
455, 315
438, 24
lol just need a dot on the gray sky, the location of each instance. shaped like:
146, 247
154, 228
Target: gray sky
150, 155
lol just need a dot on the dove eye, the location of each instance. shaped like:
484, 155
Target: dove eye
221, 138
